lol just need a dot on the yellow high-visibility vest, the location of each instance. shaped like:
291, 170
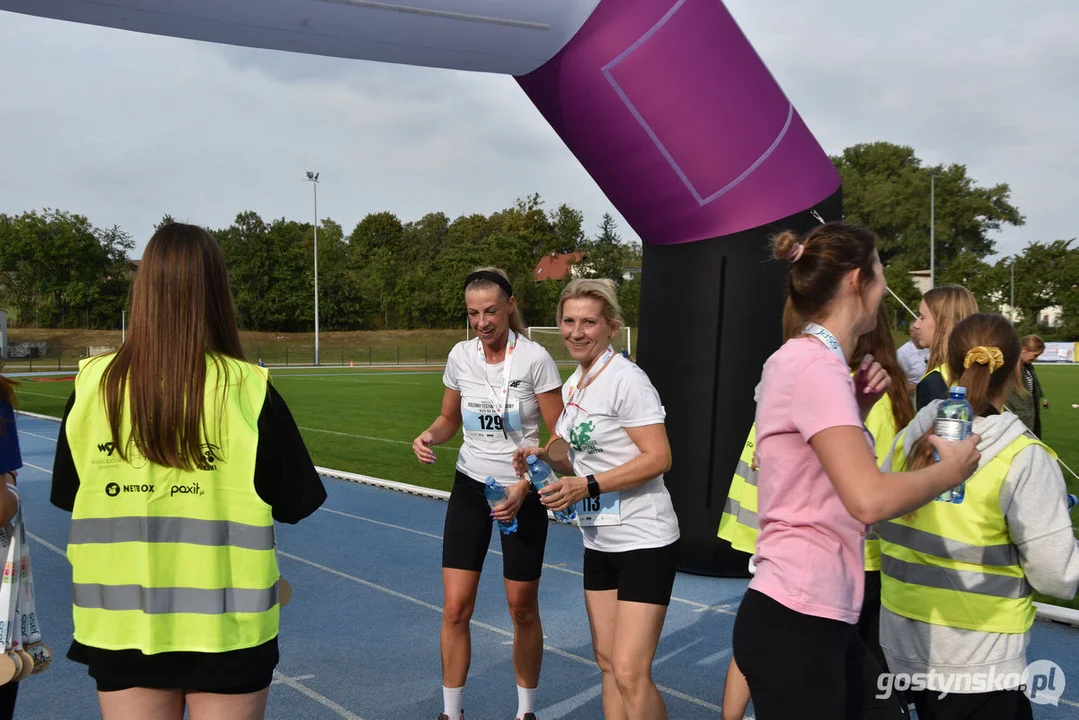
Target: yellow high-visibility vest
954, 564
165, 559
739, 524
881, 425
942, 369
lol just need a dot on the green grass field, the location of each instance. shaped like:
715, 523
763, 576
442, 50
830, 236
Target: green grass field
364, 421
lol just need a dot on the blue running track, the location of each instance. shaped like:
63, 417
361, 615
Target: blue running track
360, 637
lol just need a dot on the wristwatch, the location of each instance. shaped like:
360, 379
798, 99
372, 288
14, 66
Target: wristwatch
593, 486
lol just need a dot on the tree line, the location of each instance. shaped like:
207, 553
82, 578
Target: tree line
58, 270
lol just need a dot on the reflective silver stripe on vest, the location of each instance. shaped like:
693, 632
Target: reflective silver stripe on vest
745, 517
749, 475
216, 533
1006, 555
158, 601
958, 580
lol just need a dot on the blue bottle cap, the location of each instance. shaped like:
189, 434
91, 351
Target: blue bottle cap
958, 391
531, 459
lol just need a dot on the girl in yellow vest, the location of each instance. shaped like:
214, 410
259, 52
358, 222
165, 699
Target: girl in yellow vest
941, 310
959, 573
174, 458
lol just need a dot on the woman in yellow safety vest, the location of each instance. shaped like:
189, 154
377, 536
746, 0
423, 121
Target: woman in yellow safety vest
175, 457
959, 573
941, 310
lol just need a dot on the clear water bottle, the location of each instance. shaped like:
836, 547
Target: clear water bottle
495, 494
955, 422
542, 475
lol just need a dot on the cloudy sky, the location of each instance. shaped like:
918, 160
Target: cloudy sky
124, 128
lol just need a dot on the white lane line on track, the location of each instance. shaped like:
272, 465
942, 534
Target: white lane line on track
369, 437
492, 628
699, 607
295, 684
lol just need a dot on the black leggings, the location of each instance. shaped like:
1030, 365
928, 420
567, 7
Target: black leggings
802, 666
8, 693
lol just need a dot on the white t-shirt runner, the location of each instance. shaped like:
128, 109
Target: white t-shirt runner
594, 422
486, 451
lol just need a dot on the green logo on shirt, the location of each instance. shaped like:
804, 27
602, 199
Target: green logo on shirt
580, 438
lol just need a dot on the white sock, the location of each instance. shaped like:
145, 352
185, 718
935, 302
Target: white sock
452, 699
526, 697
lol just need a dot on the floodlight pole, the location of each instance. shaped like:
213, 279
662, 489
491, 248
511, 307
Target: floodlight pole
313, 179
932, 232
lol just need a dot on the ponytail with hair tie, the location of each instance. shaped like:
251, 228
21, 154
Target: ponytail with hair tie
983, 355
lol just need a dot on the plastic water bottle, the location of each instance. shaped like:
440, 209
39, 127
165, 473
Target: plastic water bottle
955, 422
542, 475
495, 494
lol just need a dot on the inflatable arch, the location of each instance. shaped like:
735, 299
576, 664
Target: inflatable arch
669, 108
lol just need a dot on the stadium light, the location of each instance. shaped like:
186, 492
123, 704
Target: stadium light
932, 231
312, 177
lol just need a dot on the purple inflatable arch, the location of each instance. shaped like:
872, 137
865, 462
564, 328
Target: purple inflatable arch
667, 105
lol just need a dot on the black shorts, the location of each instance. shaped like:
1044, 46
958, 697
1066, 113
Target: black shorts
645, 576
236, 672
467, 535
255, 686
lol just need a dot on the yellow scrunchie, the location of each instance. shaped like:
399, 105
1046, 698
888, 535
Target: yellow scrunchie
982, 355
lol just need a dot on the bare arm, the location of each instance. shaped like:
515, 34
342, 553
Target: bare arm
9, 500
872, 496
550, 406
654, 460
442, 429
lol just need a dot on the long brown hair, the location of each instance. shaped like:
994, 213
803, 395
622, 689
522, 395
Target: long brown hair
949, 304
879, 343
7, 396
517, 323
820, 259
988, 332
181, 311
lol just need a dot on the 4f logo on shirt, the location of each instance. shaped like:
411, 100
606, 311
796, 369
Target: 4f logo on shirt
515, 383
580, 438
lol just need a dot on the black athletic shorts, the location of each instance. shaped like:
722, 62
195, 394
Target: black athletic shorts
467, 535
645, 576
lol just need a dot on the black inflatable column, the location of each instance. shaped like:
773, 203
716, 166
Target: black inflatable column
713, 316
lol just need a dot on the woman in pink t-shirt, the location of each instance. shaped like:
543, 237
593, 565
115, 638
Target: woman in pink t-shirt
795, 637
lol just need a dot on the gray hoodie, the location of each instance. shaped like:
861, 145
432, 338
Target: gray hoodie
1033, 499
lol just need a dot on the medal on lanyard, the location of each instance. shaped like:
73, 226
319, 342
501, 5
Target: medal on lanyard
558, 449
500, 407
